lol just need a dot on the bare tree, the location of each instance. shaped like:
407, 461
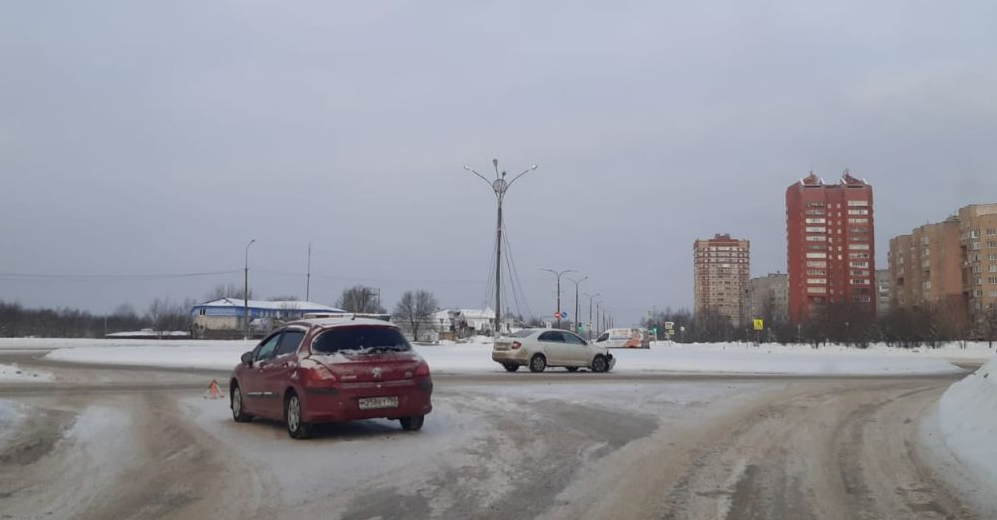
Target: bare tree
990, 325
168, 316
415, 310
227, 291
361, 299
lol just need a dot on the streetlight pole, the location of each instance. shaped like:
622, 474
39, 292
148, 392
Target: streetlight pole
591, 296
559, 274
500, 186
598, 327
577, 283
245, 294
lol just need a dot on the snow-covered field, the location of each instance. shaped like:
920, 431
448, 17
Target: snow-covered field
471, 358
968, 419
14, 373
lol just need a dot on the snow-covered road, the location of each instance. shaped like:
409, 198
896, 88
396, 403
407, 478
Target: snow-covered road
105, 442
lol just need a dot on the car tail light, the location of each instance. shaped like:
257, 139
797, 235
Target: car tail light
422, 370
318, 375
516, 345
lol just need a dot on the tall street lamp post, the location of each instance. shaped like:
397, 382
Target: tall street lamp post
500, 186
577, 282
245, 294
598, 327
591, 297
559, 274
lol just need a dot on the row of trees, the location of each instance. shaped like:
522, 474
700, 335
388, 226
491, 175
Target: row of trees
835, 323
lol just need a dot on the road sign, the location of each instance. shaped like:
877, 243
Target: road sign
759, 324
558, 315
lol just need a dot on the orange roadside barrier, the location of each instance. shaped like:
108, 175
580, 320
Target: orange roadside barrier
213, 392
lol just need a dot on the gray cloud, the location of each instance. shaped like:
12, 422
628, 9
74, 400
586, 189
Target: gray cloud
146, 138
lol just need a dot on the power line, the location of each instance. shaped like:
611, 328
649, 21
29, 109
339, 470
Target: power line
61, 277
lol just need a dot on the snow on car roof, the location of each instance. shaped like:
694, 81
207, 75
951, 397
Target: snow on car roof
342, 321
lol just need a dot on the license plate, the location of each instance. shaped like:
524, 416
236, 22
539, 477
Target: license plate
373, 403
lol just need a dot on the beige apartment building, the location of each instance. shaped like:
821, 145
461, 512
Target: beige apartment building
722, 267
768, 298
949, 267
978, 244
884, 291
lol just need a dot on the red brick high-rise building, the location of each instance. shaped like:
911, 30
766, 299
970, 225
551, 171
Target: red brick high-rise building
831, 245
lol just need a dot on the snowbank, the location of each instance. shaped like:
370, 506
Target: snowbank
968, 420
13, 373
476, 358
11, 415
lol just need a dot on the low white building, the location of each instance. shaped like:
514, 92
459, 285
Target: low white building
224, 318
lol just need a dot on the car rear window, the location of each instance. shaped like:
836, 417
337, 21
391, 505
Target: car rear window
361, 338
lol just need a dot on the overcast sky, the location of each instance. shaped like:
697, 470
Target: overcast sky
160, 137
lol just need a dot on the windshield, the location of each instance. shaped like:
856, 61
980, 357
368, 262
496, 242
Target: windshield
361, 338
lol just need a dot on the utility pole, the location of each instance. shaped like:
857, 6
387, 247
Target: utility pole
558, 274
598, 329
308, 277
245, 293
577, 282
500, 186
591, 296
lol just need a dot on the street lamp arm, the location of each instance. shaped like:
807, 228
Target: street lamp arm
528, 170
472, 170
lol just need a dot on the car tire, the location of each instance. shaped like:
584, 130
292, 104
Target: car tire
237, 405
509, 367
572, 369
412, 424
538, 363
297, 428
599, 364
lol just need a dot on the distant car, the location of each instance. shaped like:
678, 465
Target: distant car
542, 348
624, 338
332, 370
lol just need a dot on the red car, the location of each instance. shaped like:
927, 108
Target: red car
332, 370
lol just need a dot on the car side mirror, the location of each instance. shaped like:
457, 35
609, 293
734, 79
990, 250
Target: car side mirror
247, 359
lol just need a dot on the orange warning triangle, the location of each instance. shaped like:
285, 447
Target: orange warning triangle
213, 392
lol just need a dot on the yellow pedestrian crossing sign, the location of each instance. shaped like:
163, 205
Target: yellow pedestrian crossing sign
759, 324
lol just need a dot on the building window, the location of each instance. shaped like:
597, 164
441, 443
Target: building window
991, 232
816, 221
816, 230
816, 264
817, 281
858, 221
816, 238
976, 246
859, 281
816, 255
858, 203
858, 212
816, 290
855, 246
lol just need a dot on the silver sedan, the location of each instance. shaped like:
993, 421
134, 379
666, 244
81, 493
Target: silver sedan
542, 348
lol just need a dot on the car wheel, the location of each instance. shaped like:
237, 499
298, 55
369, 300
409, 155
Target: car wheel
297, 428
412, 424
599, 364
572, 369
511, 368
238, 407
538, 363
